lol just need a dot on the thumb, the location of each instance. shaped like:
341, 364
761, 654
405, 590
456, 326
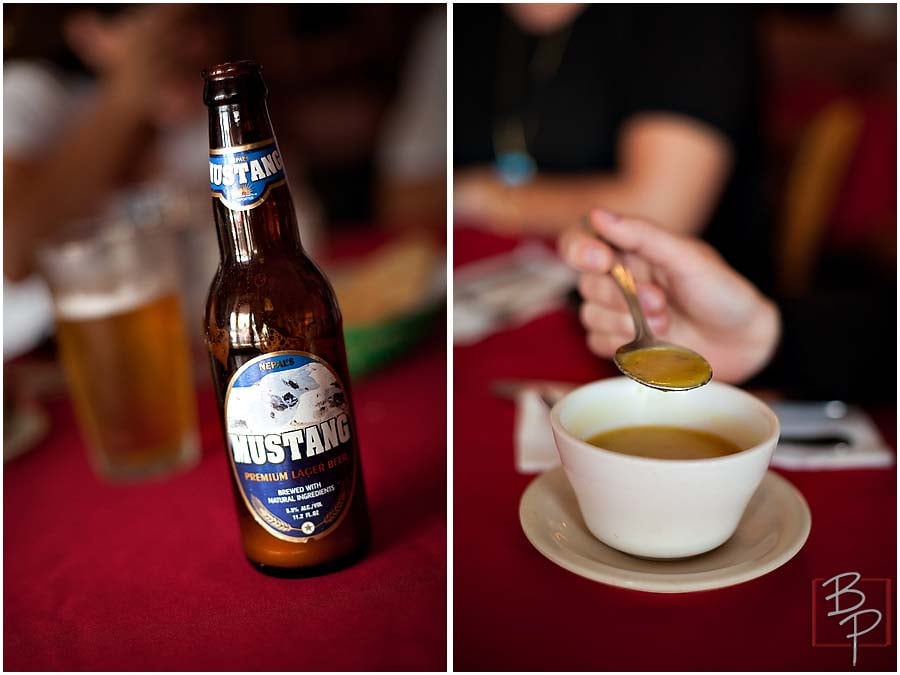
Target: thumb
658, 246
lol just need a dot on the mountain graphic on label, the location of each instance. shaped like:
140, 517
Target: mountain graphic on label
285, 400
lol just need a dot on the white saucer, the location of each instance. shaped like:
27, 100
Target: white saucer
772, 531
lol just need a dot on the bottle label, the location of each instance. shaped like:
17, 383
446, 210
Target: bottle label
242, 176
290, 441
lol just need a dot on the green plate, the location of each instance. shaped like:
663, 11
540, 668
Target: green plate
373, 346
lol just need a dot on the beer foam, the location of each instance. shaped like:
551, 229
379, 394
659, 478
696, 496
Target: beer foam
79, 306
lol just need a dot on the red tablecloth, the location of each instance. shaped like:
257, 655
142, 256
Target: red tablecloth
152, 577
516, 610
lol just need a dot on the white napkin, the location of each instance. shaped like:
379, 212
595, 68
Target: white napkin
507, 291
536, 451
535, 447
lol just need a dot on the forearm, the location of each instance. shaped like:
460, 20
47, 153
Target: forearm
551, 203
671, 170
72, 178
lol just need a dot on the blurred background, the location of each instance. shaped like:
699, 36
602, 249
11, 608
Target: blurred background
104, 126
768, 130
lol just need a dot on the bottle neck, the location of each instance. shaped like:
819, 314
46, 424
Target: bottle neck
252, 204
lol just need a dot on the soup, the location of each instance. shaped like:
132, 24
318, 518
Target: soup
658, 442
665, 367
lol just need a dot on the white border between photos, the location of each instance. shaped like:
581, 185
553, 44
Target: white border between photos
449, 290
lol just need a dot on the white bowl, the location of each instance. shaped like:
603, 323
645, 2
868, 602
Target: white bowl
663, 508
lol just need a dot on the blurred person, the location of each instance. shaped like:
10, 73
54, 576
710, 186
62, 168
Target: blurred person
103, 119
643, 109
107, 117
808, 347
412, 149
101, 115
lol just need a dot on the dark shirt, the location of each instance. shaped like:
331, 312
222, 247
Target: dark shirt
619, 61
839, 341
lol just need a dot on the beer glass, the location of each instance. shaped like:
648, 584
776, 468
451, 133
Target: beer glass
124, 349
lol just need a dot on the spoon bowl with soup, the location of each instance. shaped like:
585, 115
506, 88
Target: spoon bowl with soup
648, 360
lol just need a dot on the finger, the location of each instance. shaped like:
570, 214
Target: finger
600, 289
584, 252
641, 270
652, 298
659, 323
600, 319
603, 344
655, 244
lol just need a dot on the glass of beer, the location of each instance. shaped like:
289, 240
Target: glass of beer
124, 349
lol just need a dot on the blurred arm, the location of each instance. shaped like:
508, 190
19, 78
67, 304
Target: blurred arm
68, 179
672, 171
64, 170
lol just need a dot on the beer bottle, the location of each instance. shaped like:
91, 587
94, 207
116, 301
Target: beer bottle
274, 333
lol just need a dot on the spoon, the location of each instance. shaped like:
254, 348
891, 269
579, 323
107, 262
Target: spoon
647, 359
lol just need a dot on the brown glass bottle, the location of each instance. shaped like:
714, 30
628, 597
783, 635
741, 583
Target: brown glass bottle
276, 346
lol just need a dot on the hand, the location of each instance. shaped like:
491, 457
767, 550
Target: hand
481, 197
147, 57
162, 49
689, 294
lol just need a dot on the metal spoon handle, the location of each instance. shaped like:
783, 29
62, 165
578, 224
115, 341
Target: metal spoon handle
625, 281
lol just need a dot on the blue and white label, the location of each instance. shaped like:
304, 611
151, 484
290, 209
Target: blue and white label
290, 441
242, 176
